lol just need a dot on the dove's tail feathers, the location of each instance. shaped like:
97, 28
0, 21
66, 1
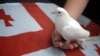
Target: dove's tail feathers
93, 38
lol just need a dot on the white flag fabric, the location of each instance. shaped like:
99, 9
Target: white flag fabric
26, 28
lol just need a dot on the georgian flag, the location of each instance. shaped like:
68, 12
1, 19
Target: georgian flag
26, 28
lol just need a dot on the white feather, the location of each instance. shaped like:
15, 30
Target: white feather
69, 27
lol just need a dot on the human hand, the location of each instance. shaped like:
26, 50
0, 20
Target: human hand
58, 42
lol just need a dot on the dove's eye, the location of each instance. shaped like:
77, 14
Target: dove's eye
59, 12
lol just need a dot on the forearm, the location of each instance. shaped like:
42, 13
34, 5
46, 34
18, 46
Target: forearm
75, 7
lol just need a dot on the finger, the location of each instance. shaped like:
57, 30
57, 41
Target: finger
58, 44
56, 37
75, 45
67, 46
63, 45
56, 40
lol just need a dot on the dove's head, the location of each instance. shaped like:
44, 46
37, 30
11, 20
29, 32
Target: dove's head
60, 11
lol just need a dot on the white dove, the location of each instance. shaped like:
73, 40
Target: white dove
69, 28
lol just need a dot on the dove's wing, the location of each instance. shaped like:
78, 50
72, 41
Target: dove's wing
74, 32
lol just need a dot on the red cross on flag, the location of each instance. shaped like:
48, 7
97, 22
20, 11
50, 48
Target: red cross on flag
5, 17
26, 28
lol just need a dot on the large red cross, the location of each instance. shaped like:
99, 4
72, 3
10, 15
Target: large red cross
5, 17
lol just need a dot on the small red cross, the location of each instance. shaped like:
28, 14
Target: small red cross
5, 17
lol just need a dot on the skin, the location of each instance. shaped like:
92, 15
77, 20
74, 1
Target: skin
75, 9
